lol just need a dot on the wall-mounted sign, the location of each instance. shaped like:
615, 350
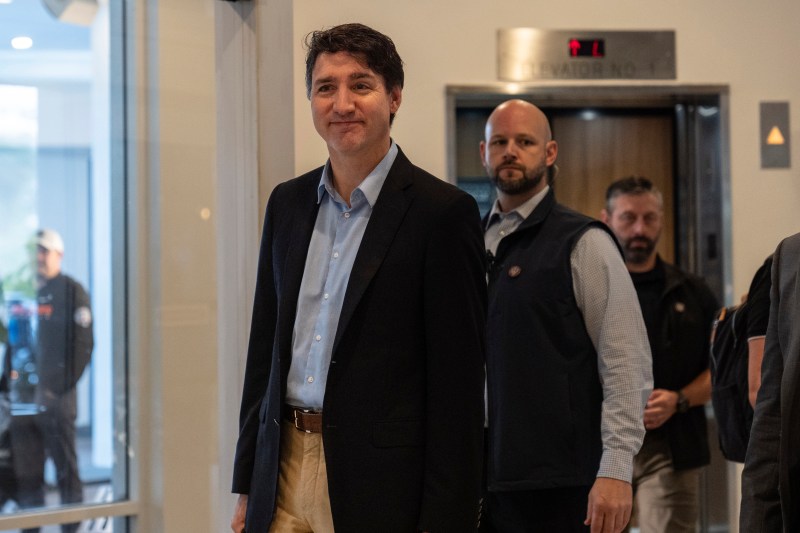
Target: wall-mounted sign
775, 141
525, 54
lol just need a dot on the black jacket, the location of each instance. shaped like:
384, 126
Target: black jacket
64, 341
403, 407
771, 476
680, 354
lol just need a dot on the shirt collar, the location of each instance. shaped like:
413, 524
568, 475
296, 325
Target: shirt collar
523, 211
372, 184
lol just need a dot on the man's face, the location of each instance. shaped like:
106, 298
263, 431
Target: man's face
636, 220
351, 106
517, 150
48, 262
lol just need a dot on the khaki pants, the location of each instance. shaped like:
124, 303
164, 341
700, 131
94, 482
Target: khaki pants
303, 502
665, 500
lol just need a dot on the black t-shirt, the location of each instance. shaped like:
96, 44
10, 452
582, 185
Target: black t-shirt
650, 288
758, 301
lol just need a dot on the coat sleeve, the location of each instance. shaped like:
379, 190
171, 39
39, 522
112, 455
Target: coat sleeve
455, 322
761, 508
259, 356
83, 333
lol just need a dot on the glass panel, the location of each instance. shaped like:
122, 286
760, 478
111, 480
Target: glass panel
62, 415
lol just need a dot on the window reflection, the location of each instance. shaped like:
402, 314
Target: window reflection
60, 418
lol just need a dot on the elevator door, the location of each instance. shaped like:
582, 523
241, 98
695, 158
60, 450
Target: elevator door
675, 136
599, 147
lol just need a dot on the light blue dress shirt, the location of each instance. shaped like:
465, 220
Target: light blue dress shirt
331, 253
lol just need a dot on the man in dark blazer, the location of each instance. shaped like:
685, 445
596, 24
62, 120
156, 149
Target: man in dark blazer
362, 407
771, 477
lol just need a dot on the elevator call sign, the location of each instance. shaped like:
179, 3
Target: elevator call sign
526, 54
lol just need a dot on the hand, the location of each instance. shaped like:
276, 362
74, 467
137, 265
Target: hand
610, 503
661, 405
237, 522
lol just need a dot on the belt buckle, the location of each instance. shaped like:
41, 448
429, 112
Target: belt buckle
295, 412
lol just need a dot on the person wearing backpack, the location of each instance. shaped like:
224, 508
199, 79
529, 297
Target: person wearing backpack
678, 310
757, 319
736, 352
771, 478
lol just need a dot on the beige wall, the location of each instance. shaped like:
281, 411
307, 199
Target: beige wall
750, 47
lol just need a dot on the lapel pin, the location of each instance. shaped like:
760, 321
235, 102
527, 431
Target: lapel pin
514, 271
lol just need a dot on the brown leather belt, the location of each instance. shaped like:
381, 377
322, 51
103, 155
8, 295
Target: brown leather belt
303, 419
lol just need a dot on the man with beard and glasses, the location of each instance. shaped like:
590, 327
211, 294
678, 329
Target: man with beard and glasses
678, 310
568, 363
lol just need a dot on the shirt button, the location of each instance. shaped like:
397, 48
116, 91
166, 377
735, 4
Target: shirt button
335, 255
318, 338
311, 379
502, 233
326, 296
347, 215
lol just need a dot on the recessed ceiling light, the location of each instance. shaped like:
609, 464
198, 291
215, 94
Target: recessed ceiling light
21, 43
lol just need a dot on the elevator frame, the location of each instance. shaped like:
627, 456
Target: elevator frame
703, 235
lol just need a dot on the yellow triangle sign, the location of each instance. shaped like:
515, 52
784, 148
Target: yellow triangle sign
775, 136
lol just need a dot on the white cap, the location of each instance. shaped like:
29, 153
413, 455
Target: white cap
50, 239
